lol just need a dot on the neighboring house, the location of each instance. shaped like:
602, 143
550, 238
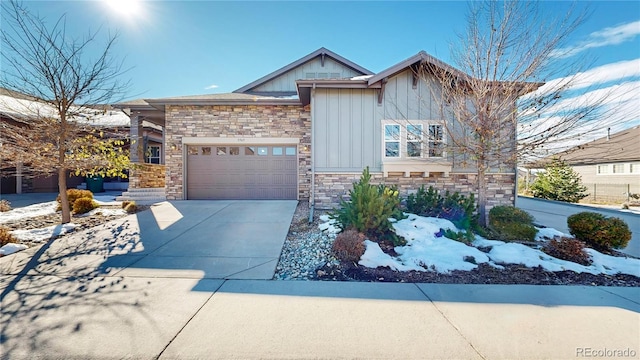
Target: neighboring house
609, 166
306, 131
19, 108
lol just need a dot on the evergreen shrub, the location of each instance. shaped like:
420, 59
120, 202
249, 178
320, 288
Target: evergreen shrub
599, 231
510, 223
369, 209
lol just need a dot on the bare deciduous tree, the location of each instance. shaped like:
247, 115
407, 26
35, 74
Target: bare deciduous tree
499, 108
61, 81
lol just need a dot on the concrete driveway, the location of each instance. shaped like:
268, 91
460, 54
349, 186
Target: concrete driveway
183, 239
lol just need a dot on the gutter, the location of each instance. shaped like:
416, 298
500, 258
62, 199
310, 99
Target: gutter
312, 193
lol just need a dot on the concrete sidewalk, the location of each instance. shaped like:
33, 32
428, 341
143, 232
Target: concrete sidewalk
115, 317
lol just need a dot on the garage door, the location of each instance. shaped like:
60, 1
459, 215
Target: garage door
242, 172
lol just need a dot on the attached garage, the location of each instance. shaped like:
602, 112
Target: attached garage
242, 172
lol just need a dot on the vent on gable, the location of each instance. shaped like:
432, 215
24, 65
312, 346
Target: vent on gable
310, 75
323, 75
335, 75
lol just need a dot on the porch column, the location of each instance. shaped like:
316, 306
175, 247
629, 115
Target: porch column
135, 153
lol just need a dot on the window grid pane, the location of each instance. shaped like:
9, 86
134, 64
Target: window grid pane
435, 141
414, 140
392, 140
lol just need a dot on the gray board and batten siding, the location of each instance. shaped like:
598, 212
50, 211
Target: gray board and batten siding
286, 83
348, 122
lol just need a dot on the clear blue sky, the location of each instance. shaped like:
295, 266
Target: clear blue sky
180, 48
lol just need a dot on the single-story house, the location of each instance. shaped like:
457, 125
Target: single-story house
306, 131
609, 166
19, 109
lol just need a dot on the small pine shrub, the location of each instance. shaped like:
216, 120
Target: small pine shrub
511, 223
464, 236
599, 231
5, 236
349, 246
567, 249
131, 207
454, 207
369, 209
72, 196
5, 205
84, 205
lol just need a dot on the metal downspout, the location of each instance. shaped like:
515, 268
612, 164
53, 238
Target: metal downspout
312, 192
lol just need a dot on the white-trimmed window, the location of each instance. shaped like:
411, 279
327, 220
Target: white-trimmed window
634, 168
603, 169
153, 154
618, 168
413, 139
436, 141
392, 140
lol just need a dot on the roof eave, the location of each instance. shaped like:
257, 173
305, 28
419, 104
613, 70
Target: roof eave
284, 69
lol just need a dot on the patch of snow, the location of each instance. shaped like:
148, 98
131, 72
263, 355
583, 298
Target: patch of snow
612, 265
104, 212
374, 257
425, 250
362, 77
482, 242
9, 249
106, 200
514, 253
29, 211
328, 225
414, 226
43, 234
549, 233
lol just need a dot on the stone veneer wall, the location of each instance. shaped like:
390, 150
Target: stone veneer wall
330, 188
145, 176
258, 121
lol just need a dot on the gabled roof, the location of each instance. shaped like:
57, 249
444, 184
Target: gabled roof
623, 146
322, 52
421, 57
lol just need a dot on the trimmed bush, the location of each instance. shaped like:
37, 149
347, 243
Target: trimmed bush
369, 209
567, 249
464, 236
511, 223
5, 205
84, 205
349, 246
73, 195
131, 207
599, 231
454, 207
5, 236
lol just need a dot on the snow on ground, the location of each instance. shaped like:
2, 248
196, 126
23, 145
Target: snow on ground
9, 249
549, 233
106, 200
43, 234
104, 212
29, 211
426, 250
